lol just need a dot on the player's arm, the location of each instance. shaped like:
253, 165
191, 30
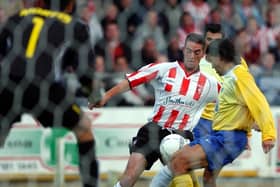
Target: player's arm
143, 75
259, 108
121, 87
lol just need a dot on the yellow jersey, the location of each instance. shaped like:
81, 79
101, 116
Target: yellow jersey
206, 67
241, 103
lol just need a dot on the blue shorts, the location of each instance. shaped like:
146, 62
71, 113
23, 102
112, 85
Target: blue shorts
222, 147
203, 128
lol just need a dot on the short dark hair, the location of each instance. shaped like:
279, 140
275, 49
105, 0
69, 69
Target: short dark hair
59, 5
195, 37
214, 28
224, 48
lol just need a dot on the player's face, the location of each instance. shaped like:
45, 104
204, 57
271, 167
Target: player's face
216, 63
193, 52
210, 36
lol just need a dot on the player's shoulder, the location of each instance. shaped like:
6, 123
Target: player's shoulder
208, 77
164, 65
170, 66
14, 18
242, 73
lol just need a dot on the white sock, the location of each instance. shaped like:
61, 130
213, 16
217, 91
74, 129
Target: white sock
162, 178
118, 184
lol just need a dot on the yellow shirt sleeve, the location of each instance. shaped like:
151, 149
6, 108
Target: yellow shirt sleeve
256, 103
206, 67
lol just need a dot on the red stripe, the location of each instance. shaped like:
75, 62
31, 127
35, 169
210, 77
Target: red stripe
144, 79
171, 119
136, 72
184, 122
152, 64
157, 117
219, 87
172, 74
184, 86
200, 86
132, 74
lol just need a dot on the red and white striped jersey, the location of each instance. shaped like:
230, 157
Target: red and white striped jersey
179, 98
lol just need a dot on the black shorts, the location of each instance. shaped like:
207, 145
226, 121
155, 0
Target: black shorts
51, 105
148, 138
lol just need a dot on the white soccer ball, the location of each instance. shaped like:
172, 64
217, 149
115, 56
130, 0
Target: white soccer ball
170, 144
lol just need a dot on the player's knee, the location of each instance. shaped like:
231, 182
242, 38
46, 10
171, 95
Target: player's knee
83, 130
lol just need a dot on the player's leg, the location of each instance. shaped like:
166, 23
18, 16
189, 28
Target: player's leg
144, 152
209, 177
182, 181
194, 179
87, 155
7, 114
203, 128
61, 112
135, 166
187, 158
162, 178
165, 178
76, 121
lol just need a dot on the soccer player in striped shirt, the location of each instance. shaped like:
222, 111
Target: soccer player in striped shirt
240, 105
204, 125
181, 92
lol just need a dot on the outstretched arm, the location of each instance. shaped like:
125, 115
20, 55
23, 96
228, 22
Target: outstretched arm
117, 89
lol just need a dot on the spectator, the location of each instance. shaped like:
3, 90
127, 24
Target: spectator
174, 51
172, 11
215, 16
150, 28
90, 17
144, 7
111, 46
273, 29
111, 15
227, 10
2, 16
125, 11
258, 41
268, 79
246, 9
272, 4
199, 10
187, 26
276, 50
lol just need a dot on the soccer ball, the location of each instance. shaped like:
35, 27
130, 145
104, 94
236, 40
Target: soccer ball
170, 144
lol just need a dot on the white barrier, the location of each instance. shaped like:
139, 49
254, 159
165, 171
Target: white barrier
31, 149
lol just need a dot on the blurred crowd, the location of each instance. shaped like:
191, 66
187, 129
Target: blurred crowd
127, 34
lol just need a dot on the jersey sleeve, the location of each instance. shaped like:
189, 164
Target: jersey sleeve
257, 104
144, 74
214, 90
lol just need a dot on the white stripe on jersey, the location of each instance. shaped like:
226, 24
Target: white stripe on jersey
179, 99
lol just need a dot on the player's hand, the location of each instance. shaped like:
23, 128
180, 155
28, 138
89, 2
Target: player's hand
96, 104
268, 145
96, 100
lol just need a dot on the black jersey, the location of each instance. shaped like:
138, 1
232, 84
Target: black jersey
39, 45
